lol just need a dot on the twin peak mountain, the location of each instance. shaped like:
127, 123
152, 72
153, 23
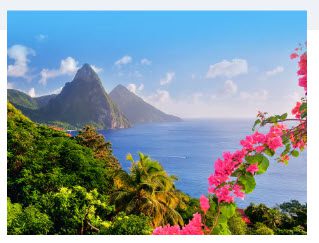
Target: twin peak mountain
85, 101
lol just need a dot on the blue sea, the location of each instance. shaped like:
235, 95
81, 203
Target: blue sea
189, 148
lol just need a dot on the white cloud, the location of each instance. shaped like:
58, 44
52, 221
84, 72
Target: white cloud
161, 96
275, 71
57, 91
10, 85
146, 61
230, 88
227, 69
294, 97
31, 92
96, 69
168, 78
19, 54
123, 61
261, 95
68, 66
41, 37
134, 88
213, 105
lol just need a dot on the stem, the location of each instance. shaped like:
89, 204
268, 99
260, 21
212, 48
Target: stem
216, 219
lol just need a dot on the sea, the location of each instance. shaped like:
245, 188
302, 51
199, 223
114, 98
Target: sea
189, 148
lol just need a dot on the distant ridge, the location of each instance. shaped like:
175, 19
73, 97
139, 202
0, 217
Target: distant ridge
136, 109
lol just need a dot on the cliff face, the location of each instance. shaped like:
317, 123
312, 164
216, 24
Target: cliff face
136, 109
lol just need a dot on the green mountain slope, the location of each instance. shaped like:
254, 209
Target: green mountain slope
82, 101
21, 100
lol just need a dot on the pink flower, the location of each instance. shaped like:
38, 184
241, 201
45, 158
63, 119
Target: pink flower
259, 137
204, 203
216, 180
167, 230
223, 194
246, 219
296, 110
194, 227
293, 55
252, 168
238, 191
285, 158
260, 149
274, 142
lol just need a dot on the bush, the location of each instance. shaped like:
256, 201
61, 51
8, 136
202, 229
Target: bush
261, 229
129, 225
28, 221
236, 225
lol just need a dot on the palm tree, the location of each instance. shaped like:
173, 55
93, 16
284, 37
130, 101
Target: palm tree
147, 189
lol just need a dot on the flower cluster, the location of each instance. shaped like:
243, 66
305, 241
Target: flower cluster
204, 203
194, 227
219, 182
296, 110
302, 72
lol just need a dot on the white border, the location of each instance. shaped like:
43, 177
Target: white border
313, 77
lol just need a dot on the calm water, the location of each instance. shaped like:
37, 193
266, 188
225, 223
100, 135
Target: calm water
188, 150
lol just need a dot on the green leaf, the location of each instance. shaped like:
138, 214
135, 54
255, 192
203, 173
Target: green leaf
269, 152
237, 172
262, 161
263, 165
304, 114
255, 124
303, 107
272, 119
248, 182
295, 153
287, 149
283, 116
253, 159
228, 210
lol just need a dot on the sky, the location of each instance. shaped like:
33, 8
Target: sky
193, 64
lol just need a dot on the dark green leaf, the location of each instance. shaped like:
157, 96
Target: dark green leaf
295, 153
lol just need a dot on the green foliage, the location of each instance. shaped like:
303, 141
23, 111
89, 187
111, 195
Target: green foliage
76, 211
187, 207
41, 160
21, 99
102, 149
261, 229
236, 225
248, 182
27, 221
129, 225
288, 218
263, 162
147, 189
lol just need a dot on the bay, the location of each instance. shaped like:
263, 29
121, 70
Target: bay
189, 148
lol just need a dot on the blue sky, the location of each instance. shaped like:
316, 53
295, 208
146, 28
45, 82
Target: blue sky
192, 64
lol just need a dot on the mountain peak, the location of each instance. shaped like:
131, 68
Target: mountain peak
136, 109
86, 73
121, 88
